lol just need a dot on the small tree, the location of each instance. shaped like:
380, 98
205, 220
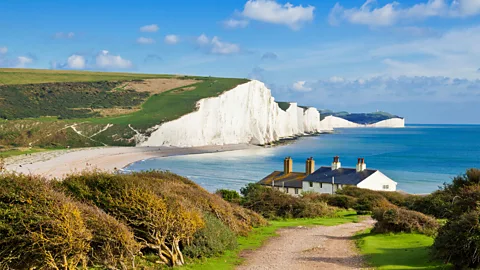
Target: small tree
458, 241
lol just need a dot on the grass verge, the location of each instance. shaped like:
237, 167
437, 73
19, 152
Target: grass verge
22, 151
258, 236
397, 251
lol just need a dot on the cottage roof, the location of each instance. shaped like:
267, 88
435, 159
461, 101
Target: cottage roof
280, 179
343, 176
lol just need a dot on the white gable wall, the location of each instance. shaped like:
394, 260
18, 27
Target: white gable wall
376, 181
319, 187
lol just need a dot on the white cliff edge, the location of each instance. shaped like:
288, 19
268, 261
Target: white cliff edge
244, 114
337, 122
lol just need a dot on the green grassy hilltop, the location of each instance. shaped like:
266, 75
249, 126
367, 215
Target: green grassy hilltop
58, 109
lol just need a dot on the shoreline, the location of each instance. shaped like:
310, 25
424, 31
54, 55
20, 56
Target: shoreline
60, 163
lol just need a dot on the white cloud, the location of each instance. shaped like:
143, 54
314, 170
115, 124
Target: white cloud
22, 61
300, 86
233, 23
216, 46
336, 79
172, 39
202, 40
272, 12
109, 61
391, 13
219, 47
145, 40
3, 50
399, 89
149, 28
76, 62
62, 35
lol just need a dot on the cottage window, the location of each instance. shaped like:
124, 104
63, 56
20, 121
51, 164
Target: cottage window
386, 187
286, 190
311, 184
296, 191
321, 185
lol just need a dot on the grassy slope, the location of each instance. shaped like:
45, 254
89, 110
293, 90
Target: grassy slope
397, 251
26, 76
158, 108
172, 104
259, 235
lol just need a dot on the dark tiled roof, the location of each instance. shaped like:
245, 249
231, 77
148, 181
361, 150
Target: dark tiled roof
343, 176
291, 180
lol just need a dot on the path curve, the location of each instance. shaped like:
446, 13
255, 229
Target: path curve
319, 247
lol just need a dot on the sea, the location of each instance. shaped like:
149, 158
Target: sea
420, 158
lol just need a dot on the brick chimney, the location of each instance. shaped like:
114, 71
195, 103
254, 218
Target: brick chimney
310, 166
336, 163
361, 166
287, 165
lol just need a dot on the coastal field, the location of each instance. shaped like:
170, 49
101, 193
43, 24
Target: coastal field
53, 109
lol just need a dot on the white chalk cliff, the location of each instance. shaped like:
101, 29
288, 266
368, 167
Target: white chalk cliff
337, 122
244, 114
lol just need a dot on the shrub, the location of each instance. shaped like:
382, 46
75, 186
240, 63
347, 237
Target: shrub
340, 201
394, 219
471, 177
161, 225
113, 244
39, 228
272, 203
437, 204
395, 198
366, 203
458, 241
213, 239
229, 195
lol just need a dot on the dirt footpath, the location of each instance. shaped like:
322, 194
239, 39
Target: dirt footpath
319, 247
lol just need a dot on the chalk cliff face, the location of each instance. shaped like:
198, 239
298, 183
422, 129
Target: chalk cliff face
337, 122
245, 114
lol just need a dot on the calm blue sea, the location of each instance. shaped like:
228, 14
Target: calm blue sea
419, 157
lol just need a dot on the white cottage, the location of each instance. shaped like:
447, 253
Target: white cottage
327, 179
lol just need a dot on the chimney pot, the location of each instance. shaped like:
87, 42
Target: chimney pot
336, 163
361, 166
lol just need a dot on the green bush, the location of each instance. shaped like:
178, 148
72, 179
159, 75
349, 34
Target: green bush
113, 244
229, 195
162, 225
458, 241
340, 201
39, 228
213, 239
272, 203
394, 219
438, 204
395, 198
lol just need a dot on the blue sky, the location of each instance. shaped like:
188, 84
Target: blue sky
418, 59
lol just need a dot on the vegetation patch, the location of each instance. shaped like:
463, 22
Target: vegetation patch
283, 105
398, 251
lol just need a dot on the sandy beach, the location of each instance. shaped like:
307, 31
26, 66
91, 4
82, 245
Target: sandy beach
58, 164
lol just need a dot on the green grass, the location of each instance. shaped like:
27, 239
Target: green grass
397, 251
172, 104
27, 76
18, 152
156, 109
258, 236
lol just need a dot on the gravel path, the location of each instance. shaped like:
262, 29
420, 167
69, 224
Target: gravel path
320, 247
